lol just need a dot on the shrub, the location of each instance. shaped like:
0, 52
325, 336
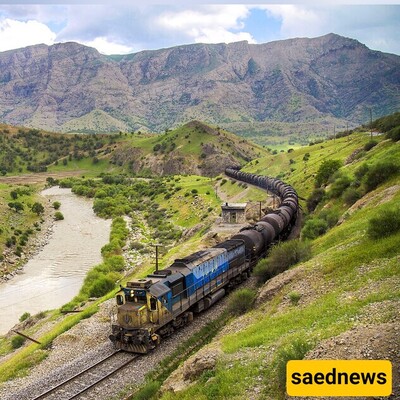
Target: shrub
290, 253
351, 195
331, 217
385, 224
24, 316
296, 351
294, 298
37, 208
58, 216
262, 271
379, 173
361, 171
315, 198
394, 134
325, 171
101, 286
313, 228
56, 205
286, 254
339, 186
241, 301
17, 342
115, 263
368, 146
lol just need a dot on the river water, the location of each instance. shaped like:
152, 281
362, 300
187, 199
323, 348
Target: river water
54, 276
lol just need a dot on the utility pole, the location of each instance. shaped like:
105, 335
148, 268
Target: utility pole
370, 120
157, 245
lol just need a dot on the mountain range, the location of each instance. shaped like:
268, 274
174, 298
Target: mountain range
286, 85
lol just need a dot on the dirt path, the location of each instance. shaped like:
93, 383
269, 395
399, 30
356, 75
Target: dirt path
38, 178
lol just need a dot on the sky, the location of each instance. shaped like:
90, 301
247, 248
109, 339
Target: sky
129, 26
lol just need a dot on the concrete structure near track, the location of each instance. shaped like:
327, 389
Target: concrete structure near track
234, 213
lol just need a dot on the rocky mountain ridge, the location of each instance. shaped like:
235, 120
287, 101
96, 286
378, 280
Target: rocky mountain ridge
72, 88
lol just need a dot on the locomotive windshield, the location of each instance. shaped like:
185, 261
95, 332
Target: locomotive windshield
135, 296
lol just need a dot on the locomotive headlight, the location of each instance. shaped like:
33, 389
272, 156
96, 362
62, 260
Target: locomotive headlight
131, 293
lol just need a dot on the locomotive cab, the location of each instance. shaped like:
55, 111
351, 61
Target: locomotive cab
138, 316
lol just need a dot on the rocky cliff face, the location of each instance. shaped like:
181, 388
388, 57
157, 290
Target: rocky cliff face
70, 87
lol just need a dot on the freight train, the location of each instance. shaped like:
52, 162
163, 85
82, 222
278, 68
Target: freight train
153, 307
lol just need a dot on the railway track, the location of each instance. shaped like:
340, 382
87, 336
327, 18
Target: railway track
82, 382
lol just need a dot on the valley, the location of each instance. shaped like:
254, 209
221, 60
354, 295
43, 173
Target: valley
349, 288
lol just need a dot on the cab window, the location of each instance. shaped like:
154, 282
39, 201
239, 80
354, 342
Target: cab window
153, 304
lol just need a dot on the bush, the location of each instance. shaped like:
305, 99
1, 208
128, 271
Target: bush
331, 217
58, 216
24, 316
296, 351
315, 198
351, 195
313, 228
263, 271
339, 186
56, 205
385, 224
240, 301
17, 342
283, 256
325, 171
289, 253
361, 171
115, 263
394, 134
379, 173
368, 146
294, 298
101, 286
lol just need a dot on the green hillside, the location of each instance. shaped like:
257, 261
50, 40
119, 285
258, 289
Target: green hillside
347, 293
326, 307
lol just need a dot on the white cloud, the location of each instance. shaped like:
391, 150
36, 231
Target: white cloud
210, 24
105, 46
15, 34
297, 20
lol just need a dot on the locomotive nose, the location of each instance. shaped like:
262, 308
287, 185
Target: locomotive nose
112, 338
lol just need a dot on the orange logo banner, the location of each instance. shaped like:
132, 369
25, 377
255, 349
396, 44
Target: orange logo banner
339, 378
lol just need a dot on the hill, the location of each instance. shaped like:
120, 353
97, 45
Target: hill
195, 148
290, 87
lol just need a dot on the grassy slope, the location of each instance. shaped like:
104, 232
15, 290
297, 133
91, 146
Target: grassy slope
348, 275
277, 321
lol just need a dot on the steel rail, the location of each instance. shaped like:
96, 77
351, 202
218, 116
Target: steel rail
77, 375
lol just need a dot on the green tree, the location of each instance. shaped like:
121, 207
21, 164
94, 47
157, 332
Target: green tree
37, 208
16, 205
325, 171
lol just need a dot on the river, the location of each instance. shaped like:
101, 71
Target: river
54, 276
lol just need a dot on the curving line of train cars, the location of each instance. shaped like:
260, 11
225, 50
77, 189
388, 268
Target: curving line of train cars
153, 307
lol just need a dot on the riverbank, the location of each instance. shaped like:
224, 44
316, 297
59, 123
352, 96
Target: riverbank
13, 265
58, 261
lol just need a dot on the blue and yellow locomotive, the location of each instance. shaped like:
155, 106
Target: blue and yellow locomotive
154, 307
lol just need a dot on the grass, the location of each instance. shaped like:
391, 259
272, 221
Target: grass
348, 273
21, 362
